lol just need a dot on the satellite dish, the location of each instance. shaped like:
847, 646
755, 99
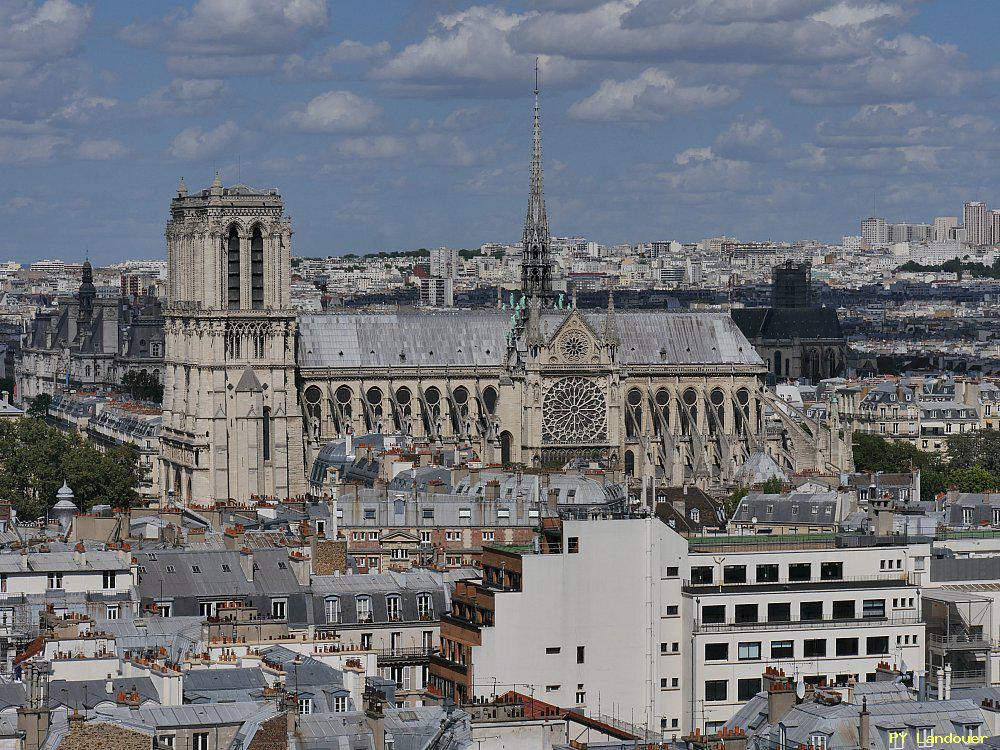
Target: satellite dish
800, 689
753, 520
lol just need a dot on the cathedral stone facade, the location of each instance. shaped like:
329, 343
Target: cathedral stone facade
232, 425
254, 392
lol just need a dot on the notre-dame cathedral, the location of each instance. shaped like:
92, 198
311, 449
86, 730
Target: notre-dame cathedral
253, 391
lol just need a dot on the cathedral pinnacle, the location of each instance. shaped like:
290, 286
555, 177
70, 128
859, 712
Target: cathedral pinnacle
610, 329
536, 264
216, 188
182, 189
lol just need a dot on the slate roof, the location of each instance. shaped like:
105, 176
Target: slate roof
478, 338
794, 507
840, 722
79, 694
176, 634
788, 322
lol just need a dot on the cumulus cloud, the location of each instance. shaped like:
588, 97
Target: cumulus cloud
196, 143
903, 69
101, 149
41, 31
468, 53
755, 140
334, 112
40, 147
183, 96
222, 33
734, 31
372, 147
650, 96
327, 64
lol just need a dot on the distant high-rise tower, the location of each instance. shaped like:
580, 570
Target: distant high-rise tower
791, 285
977, 223
874, 232
944, 228
536, 263
231, 420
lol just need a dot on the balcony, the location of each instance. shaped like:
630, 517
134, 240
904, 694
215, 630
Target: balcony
877, 580
868, 622
411, 655
963, 641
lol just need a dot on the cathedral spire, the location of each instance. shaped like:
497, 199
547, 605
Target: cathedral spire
536, 264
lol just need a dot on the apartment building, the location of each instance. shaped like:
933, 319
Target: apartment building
890, 410
827, 610
627, 620
941, 419
395, 531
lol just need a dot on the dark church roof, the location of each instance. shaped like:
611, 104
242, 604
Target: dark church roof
478, 338
788, 322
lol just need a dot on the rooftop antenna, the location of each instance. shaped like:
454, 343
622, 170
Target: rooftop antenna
239, 169
875, 202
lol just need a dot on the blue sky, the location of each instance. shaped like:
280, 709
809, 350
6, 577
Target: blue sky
391, 124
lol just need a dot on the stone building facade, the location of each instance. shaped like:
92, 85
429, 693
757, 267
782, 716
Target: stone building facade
90, 343
232, 426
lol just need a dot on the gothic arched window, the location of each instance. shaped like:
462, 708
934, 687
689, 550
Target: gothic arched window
233, 264
257, 268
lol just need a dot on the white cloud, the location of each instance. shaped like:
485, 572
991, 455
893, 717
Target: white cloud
750, 140
101, 149
183, 96
325, 65
334, 112
30, 148
700, 31
195, 143
903, 69
372, 147
41, 32
650, 96
468, 53
221, 33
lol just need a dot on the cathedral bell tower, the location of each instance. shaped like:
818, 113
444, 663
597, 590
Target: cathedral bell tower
231, 427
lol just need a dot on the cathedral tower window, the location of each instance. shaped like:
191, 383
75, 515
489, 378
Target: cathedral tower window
257, 268
266, 429
233, 264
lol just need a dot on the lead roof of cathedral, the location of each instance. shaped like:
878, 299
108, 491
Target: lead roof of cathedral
478, 338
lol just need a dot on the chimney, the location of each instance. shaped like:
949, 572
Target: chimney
864, 726
780, 699
300, 565
375, 716
246, 561
354, 681
552, 499
947, 682
733, 739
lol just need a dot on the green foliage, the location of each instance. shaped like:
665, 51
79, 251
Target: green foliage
972, 463
35, 459
143, 386
957, 266
38, 407
976, 448
873, 453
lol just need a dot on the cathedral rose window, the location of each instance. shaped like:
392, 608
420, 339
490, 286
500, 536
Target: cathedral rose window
573, 411
574, 346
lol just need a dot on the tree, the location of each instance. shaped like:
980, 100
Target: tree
35, 459
143, 386
873, 453
972, 479
38, 407
976, 448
